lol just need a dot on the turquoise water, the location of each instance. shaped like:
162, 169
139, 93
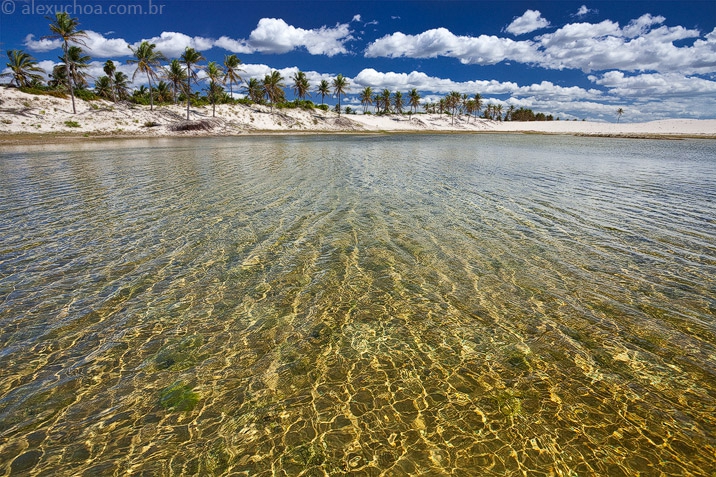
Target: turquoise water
360, 305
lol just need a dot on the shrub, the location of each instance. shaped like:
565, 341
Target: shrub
86, 95
72, 124
323, 107
44, 91
151, 124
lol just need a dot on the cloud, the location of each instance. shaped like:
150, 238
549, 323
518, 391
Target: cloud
234, 46
583, 10
431, 84
482, 50
271, 35
356, 18
99, 46
42, 45
654, 85
530, 21
95, 44
172, 44
641, 25
644, 44
274, 35
636, 47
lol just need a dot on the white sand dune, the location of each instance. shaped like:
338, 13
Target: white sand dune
23, 114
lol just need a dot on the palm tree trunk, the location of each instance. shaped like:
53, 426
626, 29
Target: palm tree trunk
151, 96
69, 80
188, 93
111, 86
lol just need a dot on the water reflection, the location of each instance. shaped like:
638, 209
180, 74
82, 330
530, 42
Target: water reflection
450, 305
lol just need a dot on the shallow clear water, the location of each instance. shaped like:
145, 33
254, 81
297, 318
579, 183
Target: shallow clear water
386, 305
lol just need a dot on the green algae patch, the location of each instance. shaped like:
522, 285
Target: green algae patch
178, 397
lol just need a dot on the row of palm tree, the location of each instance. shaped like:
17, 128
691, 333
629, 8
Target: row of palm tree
386, 102
181, 72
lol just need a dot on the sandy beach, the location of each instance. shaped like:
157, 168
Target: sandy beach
39, 118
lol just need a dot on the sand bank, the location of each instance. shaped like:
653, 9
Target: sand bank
26, 118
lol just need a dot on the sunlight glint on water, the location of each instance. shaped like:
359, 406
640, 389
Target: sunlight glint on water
449, 304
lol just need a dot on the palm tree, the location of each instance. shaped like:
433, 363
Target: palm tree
490, 111
103, 87
214, 74
385, 99
301, 86
231, 69
498, 110
78, 62
146, 60
441, 106
175, 74
254, 90
478, 104
273, 87
469, 108
109, 69
121, 85
163, 92
59, 76
141, 93
190, 58
452, 101
324, 89
366, 97
414, 100
64, 28
620, 111
510, 112
23, 68
398, 102
340, 84
378, 101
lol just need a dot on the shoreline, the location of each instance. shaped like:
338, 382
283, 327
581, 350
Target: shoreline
41, 139
39, 119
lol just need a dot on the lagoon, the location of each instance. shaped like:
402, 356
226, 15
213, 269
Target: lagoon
359, 305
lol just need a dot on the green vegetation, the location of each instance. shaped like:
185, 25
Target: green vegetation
23, 69
72, 124
173, 82
65, 28
178, 397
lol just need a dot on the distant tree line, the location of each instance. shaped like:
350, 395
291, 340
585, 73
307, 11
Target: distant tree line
170, 81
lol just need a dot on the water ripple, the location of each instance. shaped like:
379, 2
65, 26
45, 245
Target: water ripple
369, 305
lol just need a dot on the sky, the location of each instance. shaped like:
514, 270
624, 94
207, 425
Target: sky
575, 60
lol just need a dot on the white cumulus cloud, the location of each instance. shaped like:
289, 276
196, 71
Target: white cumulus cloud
172, 44
273, 35
42, 45
99, 46
644, 44
530, 21
482, 50
654, 85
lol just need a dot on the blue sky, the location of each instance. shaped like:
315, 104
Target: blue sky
581, 59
